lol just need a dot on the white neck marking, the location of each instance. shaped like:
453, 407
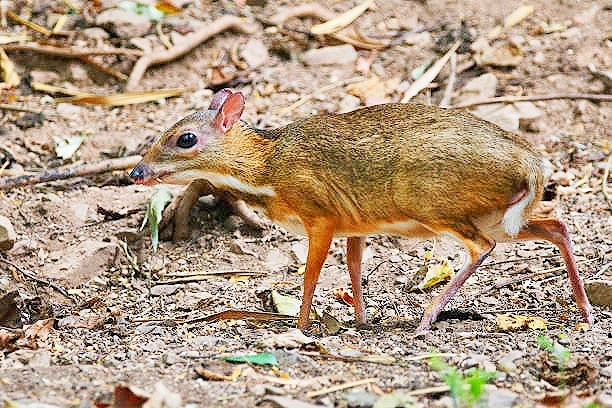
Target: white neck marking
222, 181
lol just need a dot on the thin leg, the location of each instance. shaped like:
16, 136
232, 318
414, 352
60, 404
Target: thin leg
354, 252
320, 234
479, 246
555, 231
175, 221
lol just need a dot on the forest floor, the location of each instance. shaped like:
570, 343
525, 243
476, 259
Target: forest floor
117, 315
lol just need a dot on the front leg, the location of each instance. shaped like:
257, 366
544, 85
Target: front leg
320, 233
175, 220
174, 224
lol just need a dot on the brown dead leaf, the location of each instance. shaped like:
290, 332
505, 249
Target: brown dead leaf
509, 322
122, 99
167, 7
344, 296
8, 340
219, 370
39, 330
125, 396
506, 55
373, 90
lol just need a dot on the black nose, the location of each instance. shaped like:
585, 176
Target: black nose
140, 173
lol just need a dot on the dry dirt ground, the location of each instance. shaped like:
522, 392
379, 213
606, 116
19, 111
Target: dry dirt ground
121, 326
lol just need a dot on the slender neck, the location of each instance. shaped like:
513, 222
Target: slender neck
249, 150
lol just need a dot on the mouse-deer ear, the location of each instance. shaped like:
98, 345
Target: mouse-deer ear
219, 98
229, 112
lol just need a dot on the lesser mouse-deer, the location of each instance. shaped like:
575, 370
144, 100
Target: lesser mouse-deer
403, 169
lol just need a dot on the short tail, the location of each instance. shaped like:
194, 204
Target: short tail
517, 214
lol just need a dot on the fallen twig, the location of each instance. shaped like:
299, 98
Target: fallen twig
35, 278
340, 387
604, 179
190, 42
234, 314
119, 75
29, 24
71, 52
71, 171
203, 277
15, 108
532, 98
429, 75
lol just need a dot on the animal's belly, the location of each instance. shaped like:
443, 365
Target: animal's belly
407, 228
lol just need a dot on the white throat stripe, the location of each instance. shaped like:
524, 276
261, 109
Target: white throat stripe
225, 181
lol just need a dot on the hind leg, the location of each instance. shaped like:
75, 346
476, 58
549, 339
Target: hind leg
478, 246
354, 252
555, 231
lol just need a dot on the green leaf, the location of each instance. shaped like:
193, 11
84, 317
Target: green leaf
419, 71
149, 12
476, 380
285, 304
159, 199
66, 146
544, 342
257, 359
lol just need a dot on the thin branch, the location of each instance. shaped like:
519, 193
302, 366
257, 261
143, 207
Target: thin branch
340, 387
69, 172
190, 42
119, 75
203, 277
71, 52
532, 98
15, 108
35, 278
234, 314
29, 24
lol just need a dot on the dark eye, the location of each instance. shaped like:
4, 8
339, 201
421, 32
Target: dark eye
187, 140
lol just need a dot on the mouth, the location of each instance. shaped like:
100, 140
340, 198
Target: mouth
144, 174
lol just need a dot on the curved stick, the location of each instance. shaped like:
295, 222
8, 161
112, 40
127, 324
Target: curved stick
69, 172
190, 42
